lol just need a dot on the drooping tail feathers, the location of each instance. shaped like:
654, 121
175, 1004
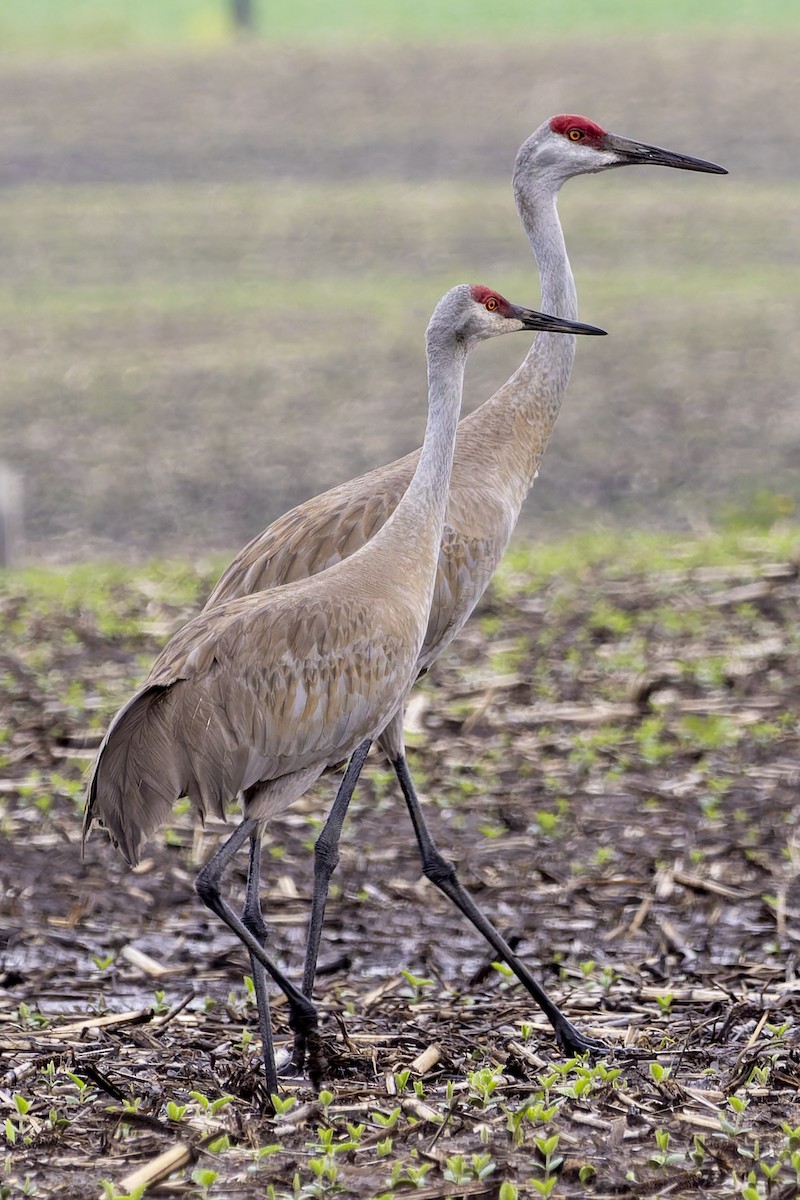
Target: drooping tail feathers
150, 757
135, 779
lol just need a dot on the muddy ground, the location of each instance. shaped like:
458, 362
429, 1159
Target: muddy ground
611, 759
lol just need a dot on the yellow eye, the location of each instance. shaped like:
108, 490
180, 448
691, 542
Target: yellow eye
491, 304
576, 135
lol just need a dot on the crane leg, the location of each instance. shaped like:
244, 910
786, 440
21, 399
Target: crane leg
443, 874
253, 920
326, 858
302, 1014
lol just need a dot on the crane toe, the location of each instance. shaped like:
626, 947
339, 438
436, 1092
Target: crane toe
573, 1042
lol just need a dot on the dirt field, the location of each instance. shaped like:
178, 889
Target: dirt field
189, 244
610, 757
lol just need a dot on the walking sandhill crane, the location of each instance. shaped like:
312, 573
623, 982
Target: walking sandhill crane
498, 453
261, 694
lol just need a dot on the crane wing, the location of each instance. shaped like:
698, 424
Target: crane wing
317, 534
255, 690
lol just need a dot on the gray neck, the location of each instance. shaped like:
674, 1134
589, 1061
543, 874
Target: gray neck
542, 378
420, 514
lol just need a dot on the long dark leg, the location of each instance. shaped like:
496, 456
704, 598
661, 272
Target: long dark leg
326, 858
443, 874
302, 1014
253, 920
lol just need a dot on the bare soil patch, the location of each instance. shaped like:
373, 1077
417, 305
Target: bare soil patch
612, 761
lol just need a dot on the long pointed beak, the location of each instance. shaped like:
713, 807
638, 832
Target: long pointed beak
633, 153
532, 319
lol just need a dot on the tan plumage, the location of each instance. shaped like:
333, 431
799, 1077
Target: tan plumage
213, 715
253, 692
321, 532
499, 447
260, 694
498, 453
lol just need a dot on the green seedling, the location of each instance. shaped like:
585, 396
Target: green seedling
663, 1158
210, 1106
30, 1017
503, 970
110, 1191
386, 1122
547, 1149
325, 1168
456, 1169
404, 1172
793, 1134
205, 1178
80, 1084
482, 1084
268, 1150
417, 984
482, 1164
325, 1138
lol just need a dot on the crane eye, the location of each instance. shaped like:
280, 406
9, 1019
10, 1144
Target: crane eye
576, 135
491, 304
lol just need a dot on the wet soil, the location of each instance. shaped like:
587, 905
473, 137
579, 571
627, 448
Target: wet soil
610, 759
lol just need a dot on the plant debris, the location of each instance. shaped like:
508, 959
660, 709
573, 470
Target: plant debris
609, 754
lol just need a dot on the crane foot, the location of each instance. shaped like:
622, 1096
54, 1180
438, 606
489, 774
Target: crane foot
293, 1066
573, 1042
318, 1065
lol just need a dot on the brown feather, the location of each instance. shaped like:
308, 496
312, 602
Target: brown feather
485, 495
261, 693
255, 691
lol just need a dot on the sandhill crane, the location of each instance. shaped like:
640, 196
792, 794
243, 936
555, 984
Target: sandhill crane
261, 694
498, 453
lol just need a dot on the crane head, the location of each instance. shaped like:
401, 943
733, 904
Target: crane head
471, 313
499, 309
569, 145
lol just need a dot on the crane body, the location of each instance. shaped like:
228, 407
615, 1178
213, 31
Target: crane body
498, 453
260, 694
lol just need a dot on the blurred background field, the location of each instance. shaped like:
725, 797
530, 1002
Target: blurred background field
220, 253
117, 24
